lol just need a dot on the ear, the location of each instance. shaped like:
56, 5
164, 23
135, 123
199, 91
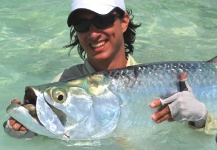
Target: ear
125, 22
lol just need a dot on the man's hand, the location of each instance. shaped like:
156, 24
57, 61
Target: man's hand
181, 106
14, 129
16, 126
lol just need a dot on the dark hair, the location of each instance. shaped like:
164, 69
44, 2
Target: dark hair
129, 36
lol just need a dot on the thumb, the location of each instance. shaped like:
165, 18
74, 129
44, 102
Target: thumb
16, 101
183, 84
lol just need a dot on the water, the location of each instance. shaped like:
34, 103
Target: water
32, 34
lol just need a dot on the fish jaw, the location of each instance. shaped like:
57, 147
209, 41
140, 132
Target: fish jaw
21, 114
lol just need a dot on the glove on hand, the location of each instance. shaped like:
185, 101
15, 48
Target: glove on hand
184, 106
17, 134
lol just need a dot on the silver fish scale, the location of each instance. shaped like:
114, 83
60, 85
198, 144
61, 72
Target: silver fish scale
162, 74
137, 86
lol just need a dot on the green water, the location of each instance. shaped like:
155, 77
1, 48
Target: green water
32, 34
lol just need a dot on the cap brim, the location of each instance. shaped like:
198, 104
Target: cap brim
90, 7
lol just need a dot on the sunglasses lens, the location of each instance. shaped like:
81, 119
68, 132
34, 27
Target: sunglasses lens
100, 22
82, 26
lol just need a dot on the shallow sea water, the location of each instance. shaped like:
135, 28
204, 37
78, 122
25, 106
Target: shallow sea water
32, 34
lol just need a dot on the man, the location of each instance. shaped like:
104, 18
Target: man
104, 34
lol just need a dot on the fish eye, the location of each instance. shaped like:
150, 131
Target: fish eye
59, 95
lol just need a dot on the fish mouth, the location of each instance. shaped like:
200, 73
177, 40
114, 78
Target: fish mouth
30, 96
30, 102
43, 112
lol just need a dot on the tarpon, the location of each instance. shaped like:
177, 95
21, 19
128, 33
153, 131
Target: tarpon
105, 103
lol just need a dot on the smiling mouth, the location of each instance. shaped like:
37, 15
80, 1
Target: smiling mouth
100, 44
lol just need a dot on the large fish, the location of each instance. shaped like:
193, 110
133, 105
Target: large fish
107, 103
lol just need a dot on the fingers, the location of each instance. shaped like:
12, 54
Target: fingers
155, 103
16, 125
22, 128
16, 101
13, 123
162, 115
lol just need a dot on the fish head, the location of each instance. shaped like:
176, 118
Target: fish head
59, 100
74, 110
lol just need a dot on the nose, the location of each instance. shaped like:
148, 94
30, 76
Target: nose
94, 32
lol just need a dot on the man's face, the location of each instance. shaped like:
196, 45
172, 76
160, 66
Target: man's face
102, 44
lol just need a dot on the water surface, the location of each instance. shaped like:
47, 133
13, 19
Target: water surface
32, 34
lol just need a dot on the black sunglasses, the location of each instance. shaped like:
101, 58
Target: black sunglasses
99, 21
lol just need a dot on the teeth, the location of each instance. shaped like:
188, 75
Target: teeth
98, 44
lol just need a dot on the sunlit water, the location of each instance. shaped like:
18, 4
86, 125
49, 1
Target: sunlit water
32, 34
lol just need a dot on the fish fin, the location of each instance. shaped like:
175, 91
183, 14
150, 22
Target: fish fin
213, 60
